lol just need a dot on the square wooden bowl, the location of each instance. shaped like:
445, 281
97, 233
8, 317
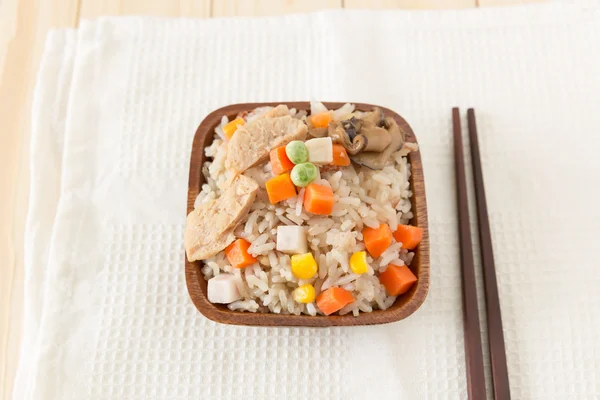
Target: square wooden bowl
405, 304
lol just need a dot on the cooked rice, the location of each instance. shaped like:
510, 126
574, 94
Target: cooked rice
363, 198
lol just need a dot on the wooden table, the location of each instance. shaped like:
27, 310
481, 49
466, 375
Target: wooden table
23, 27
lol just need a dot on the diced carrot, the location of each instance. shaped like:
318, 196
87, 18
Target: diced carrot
397, 279
334, 299
340, 156
409, 236
321, 120
377, 240
318, 199
237, 254
280, 188
230, 127
280, 162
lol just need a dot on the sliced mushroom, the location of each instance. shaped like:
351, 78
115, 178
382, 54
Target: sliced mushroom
378, 159
352, 126
377, 138
374, 117
361, 134
339, 135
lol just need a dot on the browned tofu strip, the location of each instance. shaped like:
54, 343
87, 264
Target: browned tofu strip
252, 142
209, 228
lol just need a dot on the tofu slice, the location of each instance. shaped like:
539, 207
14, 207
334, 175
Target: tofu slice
291, 240
252, 142
209, 227
222, 289
320, 150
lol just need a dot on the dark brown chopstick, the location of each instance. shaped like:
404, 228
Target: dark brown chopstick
473, 352
494, 317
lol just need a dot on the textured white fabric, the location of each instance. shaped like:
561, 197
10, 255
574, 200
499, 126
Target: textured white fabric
117, 322
46, 149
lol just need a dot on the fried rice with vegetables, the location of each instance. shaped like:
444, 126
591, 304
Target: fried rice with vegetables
305, 213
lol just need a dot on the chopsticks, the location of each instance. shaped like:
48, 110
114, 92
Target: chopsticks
473, 352
492, 300
475, 375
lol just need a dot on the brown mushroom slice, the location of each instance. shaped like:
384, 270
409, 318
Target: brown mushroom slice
359, 135
339, 135
378, 160
375, 117
377, 138
352, 126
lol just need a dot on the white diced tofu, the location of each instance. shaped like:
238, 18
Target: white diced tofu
291, 240
320, 150
222, 289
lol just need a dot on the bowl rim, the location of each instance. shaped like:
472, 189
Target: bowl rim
404, 306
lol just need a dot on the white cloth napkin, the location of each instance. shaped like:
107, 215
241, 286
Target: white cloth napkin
46, 150
108, 314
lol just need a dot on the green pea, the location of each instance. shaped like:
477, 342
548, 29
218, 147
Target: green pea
303, 174
296, 152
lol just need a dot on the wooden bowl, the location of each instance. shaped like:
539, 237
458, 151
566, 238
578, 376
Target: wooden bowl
405, 304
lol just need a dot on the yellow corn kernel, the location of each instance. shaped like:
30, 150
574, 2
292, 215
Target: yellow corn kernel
358, 262
304, 266
230, 127
304, 294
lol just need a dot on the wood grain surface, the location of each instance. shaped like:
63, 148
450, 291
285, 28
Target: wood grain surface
405, 304
23, 27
